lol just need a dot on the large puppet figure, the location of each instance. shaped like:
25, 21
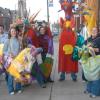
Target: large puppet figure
67, 43
92, 18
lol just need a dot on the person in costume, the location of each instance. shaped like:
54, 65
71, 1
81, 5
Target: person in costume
10, 51
93, 84
67, 43
46, 43
30, 39
23, 68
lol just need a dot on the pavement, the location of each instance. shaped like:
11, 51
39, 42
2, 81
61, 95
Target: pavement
66, 90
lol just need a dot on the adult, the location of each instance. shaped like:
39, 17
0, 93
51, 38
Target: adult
3, 36
66, 64
93, 85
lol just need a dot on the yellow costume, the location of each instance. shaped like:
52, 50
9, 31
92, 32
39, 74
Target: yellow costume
22, 64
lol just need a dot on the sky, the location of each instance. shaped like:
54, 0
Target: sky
34, 6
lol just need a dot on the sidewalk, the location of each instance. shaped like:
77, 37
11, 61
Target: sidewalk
66, 90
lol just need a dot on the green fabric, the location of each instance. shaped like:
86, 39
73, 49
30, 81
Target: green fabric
84, 54
46, 66
75, 55
79, 44
33, 72
47, 61
80, 41
91, 68
26, 21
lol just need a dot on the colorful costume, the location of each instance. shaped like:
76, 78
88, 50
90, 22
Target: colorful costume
67, 42
91, 18
91, 68
21, 66
66, 46
36, 71
46, 42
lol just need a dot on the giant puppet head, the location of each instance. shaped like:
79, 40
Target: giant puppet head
68, 22
67, 6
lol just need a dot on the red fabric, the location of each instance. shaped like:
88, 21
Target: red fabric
66, 64
72, 22
61, 22
32, 35
68, 11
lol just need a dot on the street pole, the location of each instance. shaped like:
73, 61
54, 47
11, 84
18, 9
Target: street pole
47, 11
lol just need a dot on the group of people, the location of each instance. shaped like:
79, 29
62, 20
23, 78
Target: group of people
40, 38
73, 48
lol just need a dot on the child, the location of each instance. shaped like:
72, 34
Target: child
11, 50
30, 40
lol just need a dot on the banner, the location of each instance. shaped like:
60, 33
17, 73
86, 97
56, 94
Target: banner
50, 3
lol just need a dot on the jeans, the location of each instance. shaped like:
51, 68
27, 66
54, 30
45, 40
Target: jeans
93, 87
10, 84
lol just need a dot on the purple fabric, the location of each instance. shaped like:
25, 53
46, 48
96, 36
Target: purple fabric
2, 71
50, 44
50, 47
7, 62
29, 41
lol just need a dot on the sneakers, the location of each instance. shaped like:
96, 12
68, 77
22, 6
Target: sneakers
86, 92
50, 80
12, 93
19, 92
43, 86
92, 96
